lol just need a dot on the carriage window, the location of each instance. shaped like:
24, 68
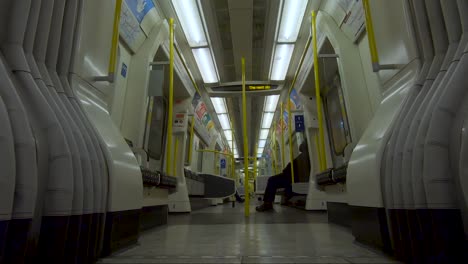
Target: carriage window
337, 117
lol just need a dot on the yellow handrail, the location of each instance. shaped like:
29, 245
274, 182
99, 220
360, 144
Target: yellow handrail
255, 160
291, 158
273, 145
171, 95
246, 144
371, 36
233, 169
214, 151
192, 131
300, 65
187, 70
174, 168
323, 161
115, 39
282, 135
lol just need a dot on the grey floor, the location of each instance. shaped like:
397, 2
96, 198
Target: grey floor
222, 234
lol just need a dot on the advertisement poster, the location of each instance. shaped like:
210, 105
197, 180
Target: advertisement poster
140, 8
295, 101
201, 112
285, 120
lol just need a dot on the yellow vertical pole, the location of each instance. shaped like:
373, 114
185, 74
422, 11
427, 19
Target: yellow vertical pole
171, 96
233, 169
371, 36
192, 131
255, 161
246, 144
176, 148
323, 162
290, 140
115, 38
273, 146
282, 135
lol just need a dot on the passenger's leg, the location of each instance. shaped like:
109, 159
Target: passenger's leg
274, 183
238, 197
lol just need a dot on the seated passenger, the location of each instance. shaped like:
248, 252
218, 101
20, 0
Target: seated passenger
283, 180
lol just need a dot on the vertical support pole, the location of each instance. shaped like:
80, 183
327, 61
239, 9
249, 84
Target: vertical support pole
176, 148
291, 157
371, 36
233, 160
192, 131
255, 161
282, 135
171, 96
115, 39
323, 162
273, 145
246, 144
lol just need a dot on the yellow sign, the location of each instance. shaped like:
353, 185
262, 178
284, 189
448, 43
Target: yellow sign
259, 87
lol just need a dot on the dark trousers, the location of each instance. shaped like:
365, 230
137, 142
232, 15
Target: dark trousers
277, 182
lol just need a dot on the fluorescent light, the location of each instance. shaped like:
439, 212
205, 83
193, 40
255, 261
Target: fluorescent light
261, 143
219, 105
267, 119
228, 134
205, 64
224, 120
189, 16
271, 102
291, 20
283, 53
264, 133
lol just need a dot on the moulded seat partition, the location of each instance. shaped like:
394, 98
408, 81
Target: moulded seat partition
25, 184
65, 52
438, 174
439, 36
63, 20
55, 194
463, 170
217, 186
61, 67
24, 141
420, 121
7, 175
418, 153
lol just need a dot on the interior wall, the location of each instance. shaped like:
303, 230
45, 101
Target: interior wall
117, 98
136, 97
374, 84
396, 44
354, 87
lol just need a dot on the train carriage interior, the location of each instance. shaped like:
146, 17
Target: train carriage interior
233, 131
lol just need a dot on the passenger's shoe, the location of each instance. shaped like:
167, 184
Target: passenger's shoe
264, 207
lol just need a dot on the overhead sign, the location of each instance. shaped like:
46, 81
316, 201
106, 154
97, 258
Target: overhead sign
259, 87
299, 123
